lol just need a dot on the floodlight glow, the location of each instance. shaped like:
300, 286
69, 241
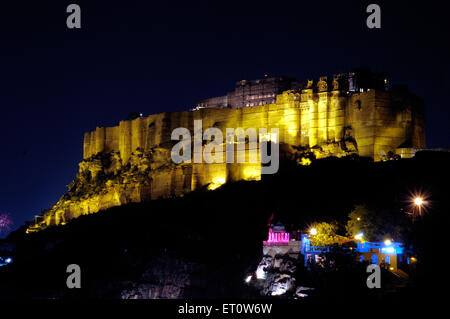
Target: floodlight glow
260, 273
418, 201
279, 290
387, 242
418, 204
359, 236
313, 232
247, 280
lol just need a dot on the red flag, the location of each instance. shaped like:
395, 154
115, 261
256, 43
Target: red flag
270, 219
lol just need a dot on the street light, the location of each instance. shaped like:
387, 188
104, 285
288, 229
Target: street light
418, 201
418, 204
387, 242
359, 236
313, 232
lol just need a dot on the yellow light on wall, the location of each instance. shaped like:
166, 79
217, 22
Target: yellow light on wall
292, 130
216, 183
251, 173
305, 161
269, 137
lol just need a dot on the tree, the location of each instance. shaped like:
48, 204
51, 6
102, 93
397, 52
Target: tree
363, 220
375, 224
326, 234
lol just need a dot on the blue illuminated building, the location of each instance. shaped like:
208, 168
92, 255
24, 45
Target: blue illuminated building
392, 248
388, 254
5, 261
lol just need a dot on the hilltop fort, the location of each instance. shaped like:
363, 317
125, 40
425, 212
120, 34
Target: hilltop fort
349, 113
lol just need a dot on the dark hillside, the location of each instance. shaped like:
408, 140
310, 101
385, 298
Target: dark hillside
203, 244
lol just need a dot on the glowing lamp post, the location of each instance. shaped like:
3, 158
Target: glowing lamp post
359, 236
418, 201
418, 205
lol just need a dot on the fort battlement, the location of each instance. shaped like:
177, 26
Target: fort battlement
378, 121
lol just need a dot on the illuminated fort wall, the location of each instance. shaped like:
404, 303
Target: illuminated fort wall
379, 121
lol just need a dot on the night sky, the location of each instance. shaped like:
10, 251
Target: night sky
57, 83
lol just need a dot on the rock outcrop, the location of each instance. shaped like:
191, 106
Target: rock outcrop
277, 276
104, 181
164, 278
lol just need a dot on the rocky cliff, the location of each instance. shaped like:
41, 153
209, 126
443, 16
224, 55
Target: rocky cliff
104, 181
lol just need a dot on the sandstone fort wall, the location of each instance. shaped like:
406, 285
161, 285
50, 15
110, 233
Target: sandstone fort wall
378, 120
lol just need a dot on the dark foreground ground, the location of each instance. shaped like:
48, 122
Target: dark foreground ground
204, 244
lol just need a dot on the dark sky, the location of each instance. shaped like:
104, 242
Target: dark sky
152, 57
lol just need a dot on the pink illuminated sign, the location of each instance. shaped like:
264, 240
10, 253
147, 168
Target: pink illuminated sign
276, 238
